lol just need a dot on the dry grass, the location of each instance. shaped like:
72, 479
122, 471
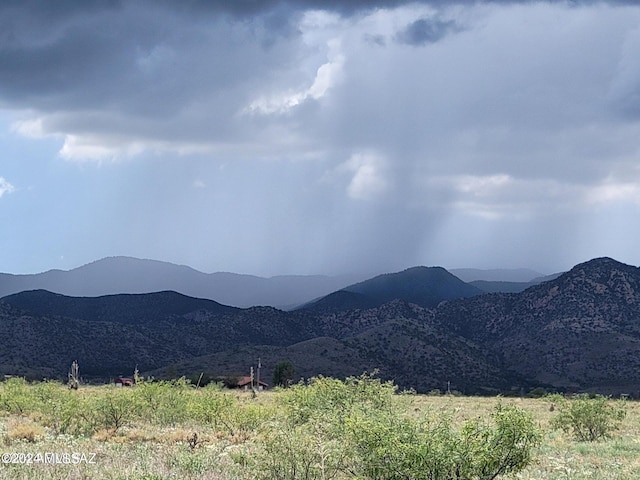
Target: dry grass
23, 429
144, 450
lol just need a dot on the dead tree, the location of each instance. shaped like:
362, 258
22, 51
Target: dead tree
74, 377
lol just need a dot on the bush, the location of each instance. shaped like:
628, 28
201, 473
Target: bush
502, 446
15, 396
589, 418
210, 405
163, 402
113, 409
359, 428
58, 406
389, 446
300, 452
327, 397
309, 440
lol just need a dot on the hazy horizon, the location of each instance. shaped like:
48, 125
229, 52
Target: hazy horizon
314, 137
358, 273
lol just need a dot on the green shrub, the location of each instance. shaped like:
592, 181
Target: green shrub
15, 396
389, 446
244, 419
309, 440
301, 452
210, 405
190, 464
589, 418
330, 397
109, 409
58, 406
163, 402
361, 428
504, 445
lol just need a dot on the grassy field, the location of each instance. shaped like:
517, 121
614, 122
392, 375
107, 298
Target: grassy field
560, 456
163, 431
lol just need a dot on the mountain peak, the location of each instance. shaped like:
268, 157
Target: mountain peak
600, 262
601, 268
593, 284
424, 286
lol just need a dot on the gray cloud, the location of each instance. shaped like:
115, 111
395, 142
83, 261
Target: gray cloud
317, 138
426, 30
253, 7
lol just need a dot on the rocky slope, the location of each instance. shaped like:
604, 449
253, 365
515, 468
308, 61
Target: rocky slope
580, 331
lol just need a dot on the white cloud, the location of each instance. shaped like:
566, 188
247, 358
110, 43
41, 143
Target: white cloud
613, 193
369, 176
96, 148
482, 186
327, 75
503, 196
30, 128
5, 187
499, 196
83, 148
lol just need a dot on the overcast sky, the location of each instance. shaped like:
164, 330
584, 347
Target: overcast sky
306, 137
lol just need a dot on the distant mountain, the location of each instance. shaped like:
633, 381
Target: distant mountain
580, 331
489, 286
424, 286
518, 275
501, 287
116, 275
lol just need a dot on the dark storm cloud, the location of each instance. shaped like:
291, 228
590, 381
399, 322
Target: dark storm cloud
426, 30
79, 57
509, 119
252, 7
183, 59
46, 12
110, 60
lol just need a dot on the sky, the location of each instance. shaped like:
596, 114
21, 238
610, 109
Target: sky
319, 136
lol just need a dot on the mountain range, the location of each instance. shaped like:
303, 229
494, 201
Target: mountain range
115, 275
423, 327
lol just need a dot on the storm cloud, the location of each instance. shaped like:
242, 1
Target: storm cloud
321, 136
425, 30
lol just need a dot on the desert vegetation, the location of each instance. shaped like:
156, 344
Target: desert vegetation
325, 428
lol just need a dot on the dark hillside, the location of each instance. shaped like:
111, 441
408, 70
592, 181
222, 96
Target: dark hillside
581, 330
424, 286
125, 308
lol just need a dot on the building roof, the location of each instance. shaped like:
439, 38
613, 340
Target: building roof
245, 381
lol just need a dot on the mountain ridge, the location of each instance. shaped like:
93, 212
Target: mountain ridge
115, 275
578, 332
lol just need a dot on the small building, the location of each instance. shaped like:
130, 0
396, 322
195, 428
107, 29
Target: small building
124, 382
245, 383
